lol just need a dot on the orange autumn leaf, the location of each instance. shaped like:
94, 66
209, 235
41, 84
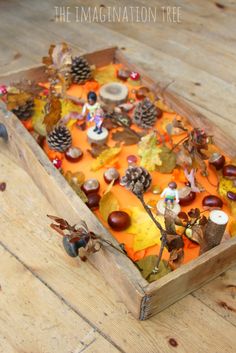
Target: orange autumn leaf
54, 114
178, 175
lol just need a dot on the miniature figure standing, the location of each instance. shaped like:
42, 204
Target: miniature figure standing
91, 106
171, 194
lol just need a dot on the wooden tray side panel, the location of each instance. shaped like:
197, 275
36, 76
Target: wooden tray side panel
122, 274
164, 292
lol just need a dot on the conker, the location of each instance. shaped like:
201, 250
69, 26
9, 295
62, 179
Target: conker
231, 195
142, 92
132, 159
110, 175
90, 186
93, 200
119, 220
229, 171
212, 201
186, 197
217, 160
73, 154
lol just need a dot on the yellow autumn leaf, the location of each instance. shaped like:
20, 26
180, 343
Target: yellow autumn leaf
108, 204
105, 75
38, 117
149, 152
106, 157
145, 231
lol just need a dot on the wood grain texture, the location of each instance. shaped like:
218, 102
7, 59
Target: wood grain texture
189, 322
34, 319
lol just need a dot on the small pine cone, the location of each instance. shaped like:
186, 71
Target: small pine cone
137, 180
24, 111
146, 114
80, 70
59, 139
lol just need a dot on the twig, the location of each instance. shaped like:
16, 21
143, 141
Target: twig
162, 230
177, 144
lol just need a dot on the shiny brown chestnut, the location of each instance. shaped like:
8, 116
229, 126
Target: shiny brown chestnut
187, 199
217, 160
93, 201
231, 195
90, 186
119, 220
110, 175
142, 92
212, 201
229, 171
74, 154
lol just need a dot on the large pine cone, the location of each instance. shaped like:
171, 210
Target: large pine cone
137, 180
146, 114
59, 139
80, 70
24, 111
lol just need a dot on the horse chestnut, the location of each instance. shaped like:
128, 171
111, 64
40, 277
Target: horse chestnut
229, 171
231, 195
90, 186
73, 154
212, 201
119, 220
186, 196
217, 160
110, 175
93, 201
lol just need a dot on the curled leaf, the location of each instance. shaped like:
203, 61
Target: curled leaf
54, 114
108, 204
168, 160
126, 136
106, 157
149, 152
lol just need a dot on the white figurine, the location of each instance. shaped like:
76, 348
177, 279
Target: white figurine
171, 194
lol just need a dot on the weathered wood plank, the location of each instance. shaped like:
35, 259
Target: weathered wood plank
84, 289
34, 319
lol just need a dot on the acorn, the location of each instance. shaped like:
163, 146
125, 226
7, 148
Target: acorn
212, 201
73, 154
186, 196
229, 171
142, 92
231, 195
119, 220
217, 160
90, 186
93, 200
110, 175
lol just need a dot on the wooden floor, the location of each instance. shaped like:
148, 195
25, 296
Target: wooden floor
48, 302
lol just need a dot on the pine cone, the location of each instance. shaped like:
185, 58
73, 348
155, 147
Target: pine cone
80, 70
146, 114
24, 111
137, 180
59, 139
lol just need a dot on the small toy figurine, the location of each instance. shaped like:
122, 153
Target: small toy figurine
171, 194
91, 106
98, 119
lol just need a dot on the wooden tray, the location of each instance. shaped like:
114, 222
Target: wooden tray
142, 299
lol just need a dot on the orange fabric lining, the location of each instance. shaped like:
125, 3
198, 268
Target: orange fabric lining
127, 199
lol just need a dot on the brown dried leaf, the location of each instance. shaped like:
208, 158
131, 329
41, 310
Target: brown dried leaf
169, 217
126, 136
54, 114
96, 149
176, 258
194, 213
168, 159
197, 234
15, 100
